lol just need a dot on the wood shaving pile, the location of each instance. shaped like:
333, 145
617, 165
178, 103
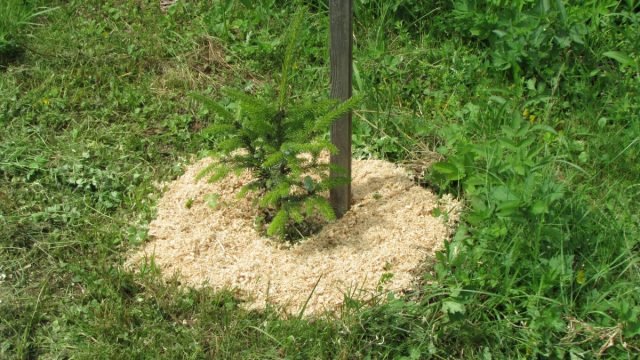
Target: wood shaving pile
390, 229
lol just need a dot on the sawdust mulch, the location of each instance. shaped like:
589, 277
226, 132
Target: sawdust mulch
389, 232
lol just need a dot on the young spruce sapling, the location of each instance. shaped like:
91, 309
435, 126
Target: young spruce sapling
279, 140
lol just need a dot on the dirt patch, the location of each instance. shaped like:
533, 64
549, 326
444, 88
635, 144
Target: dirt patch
377, 246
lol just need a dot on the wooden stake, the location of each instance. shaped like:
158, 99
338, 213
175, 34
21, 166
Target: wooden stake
341, 19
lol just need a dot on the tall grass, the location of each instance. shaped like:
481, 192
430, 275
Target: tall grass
17, 17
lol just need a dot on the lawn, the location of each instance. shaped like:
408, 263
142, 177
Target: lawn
532, 108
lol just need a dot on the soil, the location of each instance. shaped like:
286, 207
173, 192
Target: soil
393, 227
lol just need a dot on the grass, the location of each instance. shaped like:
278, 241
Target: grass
545, 263
14, 18
17, 17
